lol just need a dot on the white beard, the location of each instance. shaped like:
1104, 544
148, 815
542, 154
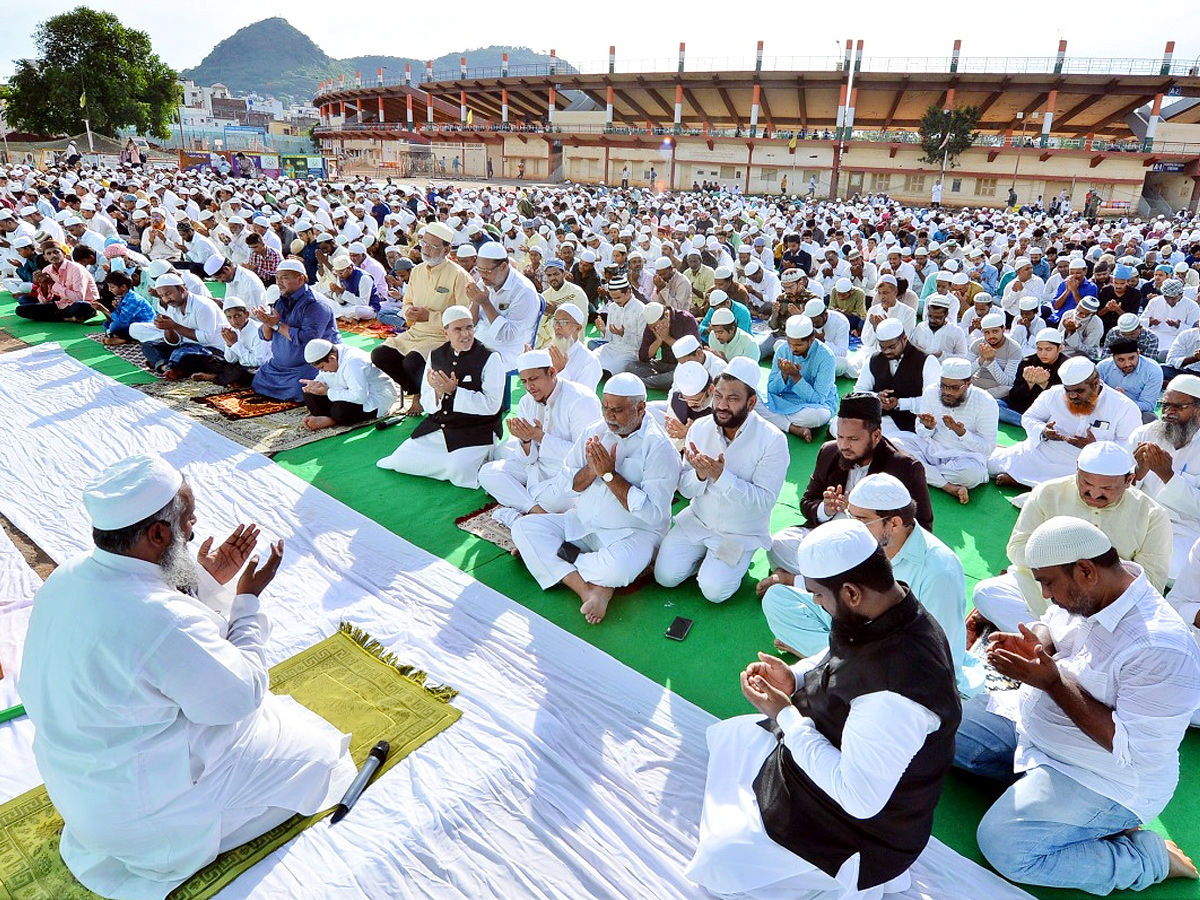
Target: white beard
179, 569
563, 344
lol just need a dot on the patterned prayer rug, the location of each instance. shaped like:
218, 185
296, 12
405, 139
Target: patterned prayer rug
10, 342
371, 328
481, 524
131, 353
245, 403
349, 679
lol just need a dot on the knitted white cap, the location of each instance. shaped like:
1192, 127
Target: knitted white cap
1063, 540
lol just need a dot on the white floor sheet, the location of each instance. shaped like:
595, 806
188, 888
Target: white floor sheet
569, 776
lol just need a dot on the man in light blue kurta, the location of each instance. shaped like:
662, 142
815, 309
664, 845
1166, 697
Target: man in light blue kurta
930, 568
296, 318
801, 389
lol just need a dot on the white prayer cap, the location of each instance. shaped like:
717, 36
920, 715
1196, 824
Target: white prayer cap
723, 316
957, 369
23, 241
1076, 370
844, 286
1128, 322
798, 327
883, 279
626, 385
356, 247
262, 221
834, 548
271, 294
213, 264
1051, 335
465, 251
983, 297
814, 307
791, 276
1077, 263
745, 370
440, 231
992, 320
454, 314
587, 256
690, 378
492, 250
71, 220
1185, 384
721, 271
1105, 458
653, 312
716, 297
961, 278
131, 490
685, 346
752, 266
938, 300
889, 329
1021, 262
662, 263
231, 302
292, 265
316, 350
534, 359
574, 312
168, 280
1028, 303
1063, 540
880, 491
158, 268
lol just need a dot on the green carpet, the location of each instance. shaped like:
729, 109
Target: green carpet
704, 669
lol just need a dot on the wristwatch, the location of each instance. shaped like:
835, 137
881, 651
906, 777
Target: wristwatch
607, 477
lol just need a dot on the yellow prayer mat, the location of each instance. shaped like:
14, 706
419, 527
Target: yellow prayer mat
349, 679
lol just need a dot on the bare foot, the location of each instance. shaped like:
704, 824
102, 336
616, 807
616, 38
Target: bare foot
1005, 480
316, 423
957, 490
596, 604
1181, 864
787, 648
805, 434
204, 376
414, 408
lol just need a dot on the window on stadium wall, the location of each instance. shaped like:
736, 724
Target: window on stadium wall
770, 176
914, 184
727, 172
956, 186
985, 187
880, 182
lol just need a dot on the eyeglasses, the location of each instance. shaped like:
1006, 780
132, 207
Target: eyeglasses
1168, 407
868, 521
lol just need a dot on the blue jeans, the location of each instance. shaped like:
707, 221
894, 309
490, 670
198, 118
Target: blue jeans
1046, 828
1008, 415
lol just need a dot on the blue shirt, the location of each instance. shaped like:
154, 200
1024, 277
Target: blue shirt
1087, 289
1144, 386
132, 308
817, 385
741, 317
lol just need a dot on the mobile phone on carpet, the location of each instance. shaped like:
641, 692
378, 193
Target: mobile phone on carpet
679, 628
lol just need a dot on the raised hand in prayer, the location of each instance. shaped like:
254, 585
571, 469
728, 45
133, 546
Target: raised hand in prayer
163, 323
475, 293
676, 429
835, 501
525, 431
255, 579
928, 420
762, 694
414, 314
558, 359
954, 425
1153, 458
1082, 440
888, 401
314, 387
223, 563
1023, 658
706, 468
661, 329
230, 336
789, 370
600, 460
1051, 433
986, 352
1035, 375
266, 316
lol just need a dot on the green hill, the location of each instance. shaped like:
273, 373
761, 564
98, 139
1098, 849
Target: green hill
273, 57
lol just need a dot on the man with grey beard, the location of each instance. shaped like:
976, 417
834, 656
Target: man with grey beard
1168, 462
158, 739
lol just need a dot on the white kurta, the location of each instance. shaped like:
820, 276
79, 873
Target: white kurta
1186, 312
523, 480
582, 367
947, 342
619, 540
621, 351
1033, 460
728, 519
948, 458
358, 381
247, 287
156, 734
514, 325
1180, 496
201, 314
249, 350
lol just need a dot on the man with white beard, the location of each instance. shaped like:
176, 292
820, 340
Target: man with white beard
1164, 451
136, 653
570, 358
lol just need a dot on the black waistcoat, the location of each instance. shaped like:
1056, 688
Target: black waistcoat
460, 429
907, 382
903, 651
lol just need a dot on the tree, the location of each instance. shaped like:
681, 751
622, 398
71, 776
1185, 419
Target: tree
90, 64
945, 133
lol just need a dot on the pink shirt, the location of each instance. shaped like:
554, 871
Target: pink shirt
72, 283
